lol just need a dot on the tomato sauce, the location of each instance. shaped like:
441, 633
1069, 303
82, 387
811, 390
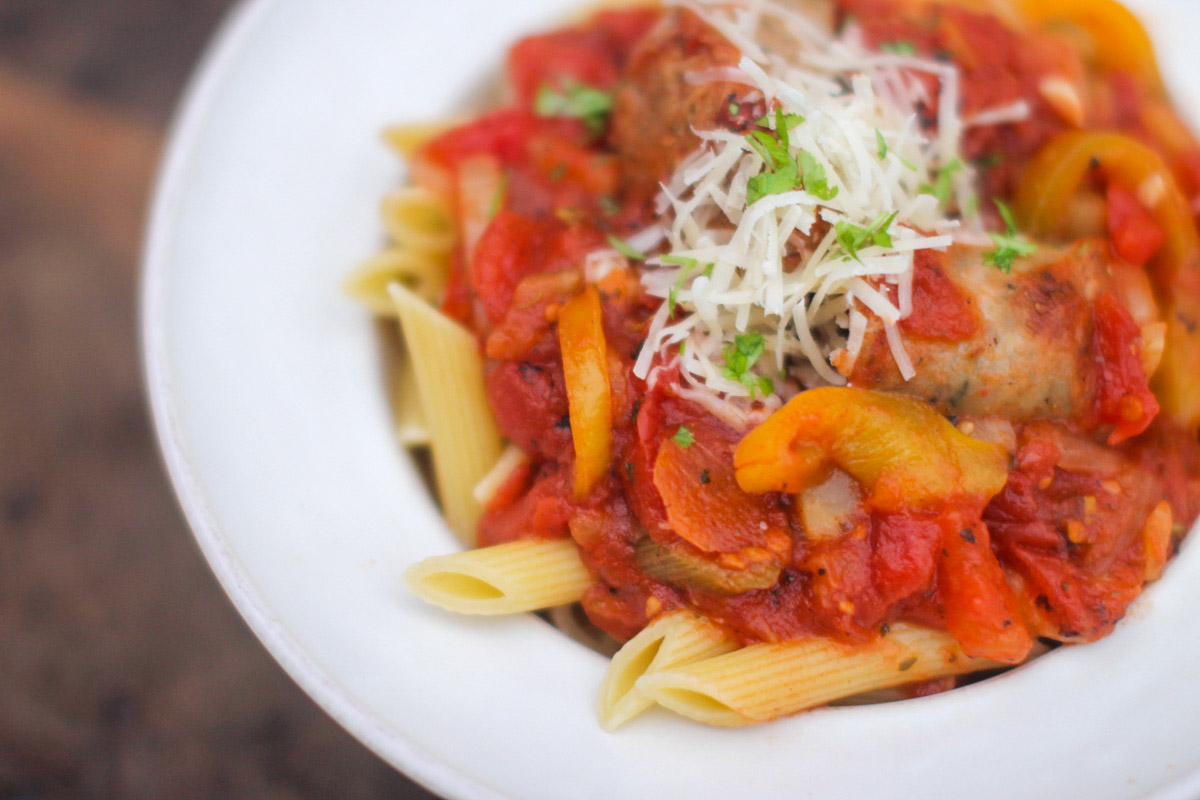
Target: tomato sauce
1056, 553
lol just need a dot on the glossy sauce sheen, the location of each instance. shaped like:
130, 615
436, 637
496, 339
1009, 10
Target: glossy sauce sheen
1057, 553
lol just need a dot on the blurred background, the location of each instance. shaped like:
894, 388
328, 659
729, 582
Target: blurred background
124, 671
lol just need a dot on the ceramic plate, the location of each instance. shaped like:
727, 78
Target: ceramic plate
267, 392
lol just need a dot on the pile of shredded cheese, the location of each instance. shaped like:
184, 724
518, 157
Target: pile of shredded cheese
780, 240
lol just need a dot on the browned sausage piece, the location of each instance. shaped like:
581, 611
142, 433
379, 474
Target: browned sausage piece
1031, 354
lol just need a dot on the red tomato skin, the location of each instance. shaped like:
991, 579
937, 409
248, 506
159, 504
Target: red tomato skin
1123, 396
1134, 234
529, 401
980, 609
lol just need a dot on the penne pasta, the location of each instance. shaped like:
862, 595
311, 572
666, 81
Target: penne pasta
416, 219
502, 579
765, 681
406, 140
412, 428
449, 378
672, 640
408, 417
422, 272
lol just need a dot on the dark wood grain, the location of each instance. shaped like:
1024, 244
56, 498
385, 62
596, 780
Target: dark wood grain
124, 671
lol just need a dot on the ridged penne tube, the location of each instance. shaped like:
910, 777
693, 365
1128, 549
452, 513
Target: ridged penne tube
422, 272
766, 681
672, 640
502, 579
449, 377
412, 427
512, 459
416, 219
406, 140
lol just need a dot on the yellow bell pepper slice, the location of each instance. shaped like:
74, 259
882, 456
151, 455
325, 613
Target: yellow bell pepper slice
905, 454
585, 372
1057, 173
1047, 186
1121, 43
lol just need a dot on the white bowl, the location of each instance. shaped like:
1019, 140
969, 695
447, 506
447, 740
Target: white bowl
268, 398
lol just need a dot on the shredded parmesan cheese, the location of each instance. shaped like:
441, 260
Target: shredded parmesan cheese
782, 242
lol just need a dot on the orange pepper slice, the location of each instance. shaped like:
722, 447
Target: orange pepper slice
980, 609
1121, 41
585, 372
1046, 187
904, 453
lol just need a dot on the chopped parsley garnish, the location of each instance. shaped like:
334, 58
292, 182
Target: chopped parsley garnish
740, 358
944, 185
625, 248
815, 182
852, 237
576, 100
688, 265
784, 172
884, 150
683, 437
899, 48
498, 197
1009, 245
734, 108
608, 205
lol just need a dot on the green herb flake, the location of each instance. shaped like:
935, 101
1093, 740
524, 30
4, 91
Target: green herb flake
625, 248
853, 237
899, 48
884, 150
784, 172
944, 184
688, 265
768, 183
908, 663
740, 358
734, 108
815, 182
578, 100
683, 437
498, 197
608, 206
1009, 245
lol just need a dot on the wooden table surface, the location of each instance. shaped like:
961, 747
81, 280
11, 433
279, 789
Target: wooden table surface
124, 671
